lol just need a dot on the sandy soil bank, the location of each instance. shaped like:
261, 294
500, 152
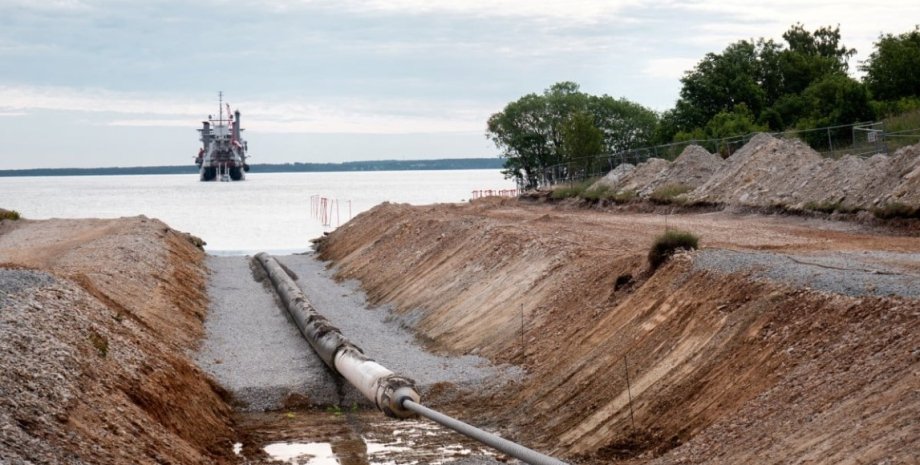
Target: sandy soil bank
97, 318
747, 356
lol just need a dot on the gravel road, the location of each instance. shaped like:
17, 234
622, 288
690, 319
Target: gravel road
848, 273
253, 348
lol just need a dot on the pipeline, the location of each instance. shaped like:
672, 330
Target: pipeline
378, 384
396, 396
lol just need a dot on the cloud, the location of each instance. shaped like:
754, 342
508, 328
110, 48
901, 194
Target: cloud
586, 11
338, 116
668, 68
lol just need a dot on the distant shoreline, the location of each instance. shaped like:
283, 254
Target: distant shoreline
376, 165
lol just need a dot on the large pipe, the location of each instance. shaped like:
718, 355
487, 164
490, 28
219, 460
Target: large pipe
379, 385
513, 449
395, 395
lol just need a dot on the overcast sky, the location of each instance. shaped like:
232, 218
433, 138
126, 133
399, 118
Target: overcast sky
88, 83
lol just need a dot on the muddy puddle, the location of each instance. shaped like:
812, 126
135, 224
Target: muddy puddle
352, 437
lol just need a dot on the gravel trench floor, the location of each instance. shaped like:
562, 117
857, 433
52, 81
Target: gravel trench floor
253, 348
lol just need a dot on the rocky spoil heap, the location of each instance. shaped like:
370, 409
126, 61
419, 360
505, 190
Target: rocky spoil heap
96, 320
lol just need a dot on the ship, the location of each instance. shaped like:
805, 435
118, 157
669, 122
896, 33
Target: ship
222, 156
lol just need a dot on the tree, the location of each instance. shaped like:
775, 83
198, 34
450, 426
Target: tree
836, 99
625, 125
530, 132
582, 141
521, 132
721, 81
764, 76
893, 68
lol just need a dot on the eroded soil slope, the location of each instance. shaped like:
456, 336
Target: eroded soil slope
727, 361
96, 320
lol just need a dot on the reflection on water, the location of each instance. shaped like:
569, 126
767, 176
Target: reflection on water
315, 437
301, 453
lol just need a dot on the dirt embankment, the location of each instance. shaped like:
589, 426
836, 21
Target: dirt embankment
722, 367
97, 318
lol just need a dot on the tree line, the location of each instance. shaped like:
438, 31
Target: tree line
800, 83
373, 165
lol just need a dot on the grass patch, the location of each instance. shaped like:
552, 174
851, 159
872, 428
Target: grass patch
671, 241
624, 196
829, 207
896, 210
598, 193
573, 190
667, 194
9, 215
100, 343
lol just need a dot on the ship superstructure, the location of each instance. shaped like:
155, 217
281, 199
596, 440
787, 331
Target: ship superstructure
222, 156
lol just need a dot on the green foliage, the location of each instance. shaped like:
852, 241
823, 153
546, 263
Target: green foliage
531, 132
622, 197
598, 193
9, 215
582, 141
896, 210
666, 244
829, 207
100, 343
668, 194
573, 190
835, 100
334, 410
761, 85
892, 69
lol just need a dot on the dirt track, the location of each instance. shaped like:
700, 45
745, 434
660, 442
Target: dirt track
727, 364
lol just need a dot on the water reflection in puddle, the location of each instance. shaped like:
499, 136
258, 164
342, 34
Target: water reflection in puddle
302, 453
355, 438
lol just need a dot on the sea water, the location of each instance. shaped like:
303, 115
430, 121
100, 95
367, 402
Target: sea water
274, 212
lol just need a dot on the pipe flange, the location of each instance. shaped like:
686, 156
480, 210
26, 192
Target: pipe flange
393, 391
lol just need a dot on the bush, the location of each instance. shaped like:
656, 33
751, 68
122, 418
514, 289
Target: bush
598, 193
573, 190
669, 242
9, 215
896, 210
624, 196
668, 193
830, 207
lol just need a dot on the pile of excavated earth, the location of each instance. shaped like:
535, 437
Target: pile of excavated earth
97, 318
774, 172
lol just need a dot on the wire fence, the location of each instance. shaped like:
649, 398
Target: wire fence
860, 139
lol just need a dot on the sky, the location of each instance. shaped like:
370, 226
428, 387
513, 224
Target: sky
90, 83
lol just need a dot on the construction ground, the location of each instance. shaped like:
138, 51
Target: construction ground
782, 339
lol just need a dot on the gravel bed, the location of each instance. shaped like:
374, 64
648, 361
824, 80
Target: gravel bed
252, 346
384, 339
847, 273
17, 281
254, 349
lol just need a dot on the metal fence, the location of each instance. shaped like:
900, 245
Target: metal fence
860, 139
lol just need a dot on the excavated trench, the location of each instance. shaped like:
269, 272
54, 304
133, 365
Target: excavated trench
292, 408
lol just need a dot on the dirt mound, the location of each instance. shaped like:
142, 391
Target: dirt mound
613, 178
645, 174
906, 169
692, 168
93, 348
766, 171
722, 367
